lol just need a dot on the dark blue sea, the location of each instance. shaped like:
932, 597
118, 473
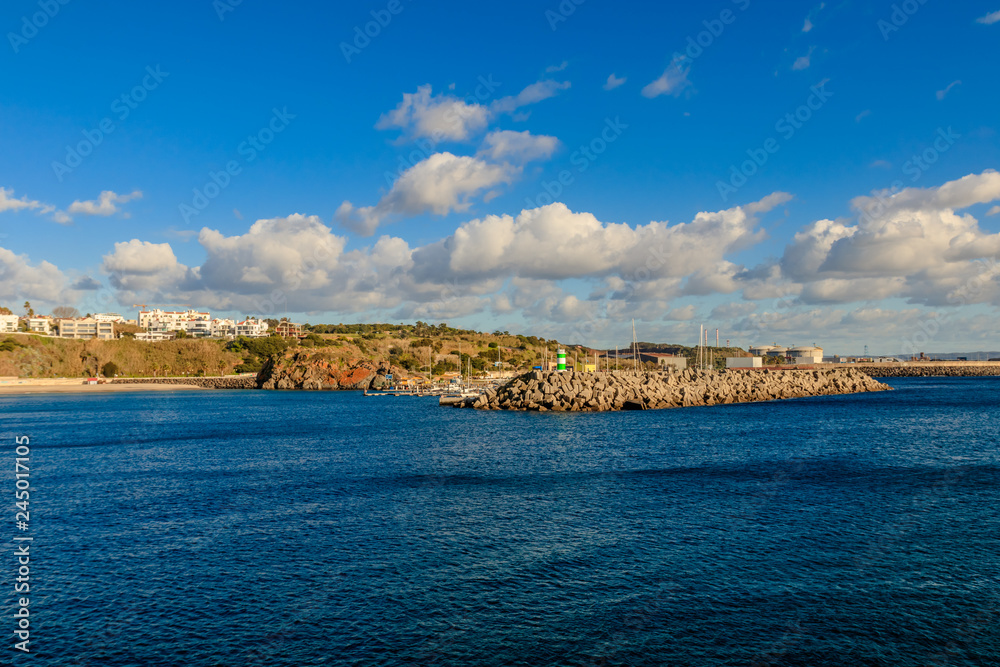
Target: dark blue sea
309, 528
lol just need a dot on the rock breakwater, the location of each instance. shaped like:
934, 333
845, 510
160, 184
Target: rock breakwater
597, 392
235, 382
930, 370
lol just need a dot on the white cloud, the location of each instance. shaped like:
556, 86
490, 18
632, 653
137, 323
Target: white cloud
22, 281
803, 62
673, 80
993, 211
555, 243
942, 93
913, 244
808, 24
141, 265
613, 81
440, 184
518, 147
449, 118
8, 203
536, 92
552, 69
106, 203
861, 116
438, 117
881, 164
989, 19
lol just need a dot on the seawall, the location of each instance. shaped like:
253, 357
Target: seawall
929, 370
235, 382
597, 392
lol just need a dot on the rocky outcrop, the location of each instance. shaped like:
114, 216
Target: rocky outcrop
317, 370
236, 382
596, 392
931, 370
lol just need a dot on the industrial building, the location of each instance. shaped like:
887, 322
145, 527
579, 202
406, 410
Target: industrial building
793, 355
744, 362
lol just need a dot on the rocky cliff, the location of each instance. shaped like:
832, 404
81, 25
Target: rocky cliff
595, 392
309, 369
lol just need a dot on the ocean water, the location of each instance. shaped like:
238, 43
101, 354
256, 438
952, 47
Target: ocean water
301, 528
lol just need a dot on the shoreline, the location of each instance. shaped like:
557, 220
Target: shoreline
56, 388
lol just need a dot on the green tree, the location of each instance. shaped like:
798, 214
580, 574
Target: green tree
28, 309
109, 370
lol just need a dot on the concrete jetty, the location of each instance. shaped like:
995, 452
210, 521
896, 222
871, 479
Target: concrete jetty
544, 391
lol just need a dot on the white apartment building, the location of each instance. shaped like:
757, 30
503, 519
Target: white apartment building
109, 317
194, 322
154, 337
85, 327
223, 328
40, 325
8, 323
250, 327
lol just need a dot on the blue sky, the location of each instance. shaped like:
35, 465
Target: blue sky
278, 160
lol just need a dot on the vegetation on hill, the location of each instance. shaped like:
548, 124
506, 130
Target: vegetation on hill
412, 347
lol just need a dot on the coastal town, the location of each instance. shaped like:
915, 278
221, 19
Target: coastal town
155, 324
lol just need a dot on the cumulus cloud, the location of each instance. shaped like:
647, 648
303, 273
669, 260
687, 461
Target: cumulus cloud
518, 147
554, 243
140, 265
552, 69
21, 280
446, 117
9, 203
439, 117
106, 204
613, 82
673, 80
914, 244
440, 184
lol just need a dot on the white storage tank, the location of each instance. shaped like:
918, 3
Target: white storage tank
761, 350
806, 354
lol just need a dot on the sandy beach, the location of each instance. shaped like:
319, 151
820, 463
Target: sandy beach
76, 386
